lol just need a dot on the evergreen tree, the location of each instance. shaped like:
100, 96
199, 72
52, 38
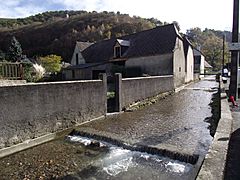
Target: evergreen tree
15, 50
2, 55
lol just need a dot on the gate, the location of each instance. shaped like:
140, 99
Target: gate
114, 93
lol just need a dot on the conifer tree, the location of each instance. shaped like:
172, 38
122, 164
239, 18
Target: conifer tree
15, 50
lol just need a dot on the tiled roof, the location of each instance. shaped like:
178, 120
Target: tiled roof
83, 45
186, 45
159, 40
197, 52
82, 66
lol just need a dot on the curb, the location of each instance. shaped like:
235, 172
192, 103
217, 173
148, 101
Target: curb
214, 164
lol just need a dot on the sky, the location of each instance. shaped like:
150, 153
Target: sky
211, 14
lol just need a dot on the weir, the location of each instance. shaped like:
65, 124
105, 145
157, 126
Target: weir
192, 159
117, 162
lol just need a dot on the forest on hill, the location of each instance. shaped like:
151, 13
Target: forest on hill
57, 32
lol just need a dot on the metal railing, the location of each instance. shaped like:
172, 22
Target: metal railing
11, 70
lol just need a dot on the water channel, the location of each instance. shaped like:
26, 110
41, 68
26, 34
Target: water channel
179, 123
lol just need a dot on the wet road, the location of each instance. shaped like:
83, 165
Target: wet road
177, 123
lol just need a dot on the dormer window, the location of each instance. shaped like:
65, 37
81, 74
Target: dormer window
117, 52
120, 48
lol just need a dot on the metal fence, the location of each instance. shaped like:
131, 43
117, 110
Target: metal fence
11, 70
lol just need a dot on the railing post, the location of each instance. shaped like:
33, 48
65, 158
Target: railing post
103, 77
20, 71
118, 92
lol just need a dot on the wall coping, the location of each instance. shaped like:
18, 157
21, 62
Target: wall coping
149, 77
51, 83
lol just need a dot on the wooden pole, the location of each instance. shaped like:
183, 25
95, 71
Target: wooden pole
235, 54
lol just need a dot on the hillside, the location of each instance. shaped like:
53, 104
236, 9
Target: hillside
57, 32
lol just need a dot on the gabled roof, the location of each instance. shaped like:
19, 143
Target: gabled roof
83, 45
186, 45
197, 52
123, 42
207, 65
159, 40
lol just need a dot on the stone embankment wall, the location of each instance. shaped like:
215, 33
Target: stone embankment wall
32, 110
131, 90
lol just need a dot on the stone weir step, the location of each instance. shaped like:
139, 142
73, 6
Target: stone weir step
192, 159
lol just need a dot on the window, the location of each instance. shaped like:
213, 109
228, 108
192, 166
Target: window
180, 69
117, 52
77, 59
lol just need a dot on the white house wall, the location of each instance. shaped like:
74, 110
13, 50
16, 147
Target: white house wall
202, 66
179, 63
152, 65
80, 57
189, 66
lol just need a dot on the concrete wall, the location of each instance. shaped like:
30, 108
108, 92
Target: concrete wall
11, 82
196, 76
33, 110
199, 62
135, 89
202, 68
189, 66
153, 65
77, 74
179, 63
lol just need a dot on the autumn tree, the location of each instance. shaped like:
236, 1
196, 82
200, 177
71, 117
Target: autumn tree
51, 63
212, 48
195, 35
210, 45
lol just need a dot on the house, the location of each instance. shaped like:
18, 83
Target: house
189, 60
155, 52
199, 59
77, 55
200, 64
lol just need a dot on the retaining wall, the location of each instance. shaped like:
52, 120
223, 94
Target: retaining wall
215, 160
136, 89
33, 110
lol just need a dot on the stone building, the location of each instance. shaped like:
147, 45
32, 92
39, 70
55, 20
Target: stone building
155, 52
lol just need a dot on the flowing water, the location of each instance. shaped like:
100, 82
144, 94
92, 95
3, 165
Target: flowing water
119, 163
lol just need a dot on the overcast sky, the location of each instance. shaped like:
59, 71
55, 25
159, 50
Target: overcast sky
212, 14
